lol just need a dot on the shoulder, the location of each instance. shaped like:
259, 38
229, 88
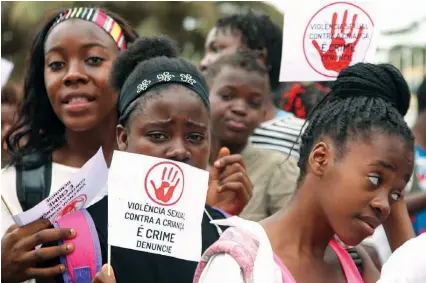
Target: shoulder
258, 155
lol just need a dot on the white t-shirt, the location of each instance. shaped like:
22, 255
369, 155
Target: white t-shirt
60, 175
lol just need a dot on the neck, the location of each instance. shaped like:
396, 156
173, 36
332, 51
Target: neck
289, 235
419, 130
81, 146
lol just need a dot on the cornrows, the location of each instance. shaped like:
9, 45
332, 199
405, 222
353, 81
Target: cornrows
365, 99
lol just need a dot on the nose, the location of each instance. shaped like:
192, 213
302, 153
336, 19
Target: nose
75, 74
239, 107
205, 62
381, 206
179, 152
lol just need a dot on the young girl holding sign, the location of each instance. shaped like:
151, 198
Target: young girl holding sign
356, 159
169, 119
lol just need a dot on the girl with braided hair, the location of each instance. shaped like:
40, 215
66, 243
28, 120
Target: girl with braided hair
356, 158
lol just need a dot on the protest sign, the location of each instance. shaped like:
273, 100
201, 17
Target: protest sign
156, 205
74, 195
6, 70
323, 38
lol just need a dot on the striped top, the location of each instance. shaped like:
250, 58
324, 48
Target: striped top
279, 134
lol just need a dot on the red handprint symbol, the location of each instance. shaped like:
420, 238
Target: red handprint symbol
166, 183
330, 60
75, 205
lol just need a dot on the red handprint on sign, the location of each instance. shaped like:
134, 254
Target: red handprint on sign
166, 183
330, 59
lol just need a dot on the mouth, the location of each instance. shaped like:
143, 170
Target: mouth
236, 125
369, 223
78, 103
77, 98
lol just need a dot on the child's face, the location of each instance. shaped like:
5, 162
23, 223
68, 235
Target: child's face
356, 190
219, 43
174, 124
238, 104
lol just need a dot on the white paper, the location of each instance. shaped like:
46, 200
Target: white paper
167, 222
74, 195
6, 70
312, 52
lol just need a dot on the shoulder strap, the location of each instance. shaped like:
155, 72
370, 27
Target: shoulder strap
86, 260
241, 246
33, 183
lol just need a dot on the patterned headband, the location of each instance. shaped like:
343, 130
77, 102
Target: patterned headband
140, 87
97, 17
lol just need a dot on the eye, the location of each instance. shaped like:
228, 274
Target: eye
157, 137
217, 49
396, 196
256, 104
226, 96
376, 180
95, 61
56, 65
196, 138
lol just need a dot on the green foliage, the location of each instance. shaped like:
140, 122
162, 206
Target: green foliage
20, 19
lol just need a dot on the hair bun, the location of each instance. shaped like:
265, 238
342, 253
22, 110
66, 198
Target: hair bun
144, 48
381, 80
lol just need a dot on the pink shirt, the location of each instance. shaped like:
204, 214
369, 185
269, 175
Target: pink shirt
346, 261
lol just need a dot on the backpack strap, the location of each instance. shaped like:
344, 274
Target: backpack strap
33, 183
86, 260
241, 246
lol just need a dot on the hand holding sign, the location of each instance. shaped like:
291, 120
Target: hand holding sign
330, 58
19, 256
230, 188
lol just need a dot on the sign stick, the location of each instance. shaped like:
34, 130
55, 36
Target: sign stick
109, 260
7, 207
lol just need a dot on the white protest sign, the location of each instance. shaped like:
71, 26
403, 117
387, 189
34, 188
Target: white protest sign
75, 194
156, 205
6, 70
322, 38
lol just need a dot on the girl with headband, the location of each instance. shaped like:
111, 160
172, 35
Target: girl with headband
164, 112
68, 112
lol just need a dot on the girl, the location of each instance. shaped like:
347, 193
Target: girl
356, 159
68, 112
164, 111
239, 87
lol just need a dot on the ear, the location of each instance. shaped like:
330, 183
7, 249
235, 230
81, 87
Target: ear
320, 158
122, 137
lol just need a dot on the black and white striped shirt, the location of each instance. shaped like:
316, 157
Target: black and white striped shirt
279, 134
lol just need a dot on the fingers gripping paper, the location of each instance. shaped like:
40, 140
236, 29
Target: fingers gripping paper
323, 38
156, 205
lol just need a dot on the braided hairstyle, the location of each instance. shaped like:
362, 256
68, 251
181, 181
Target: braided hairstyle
258, 32
365, 98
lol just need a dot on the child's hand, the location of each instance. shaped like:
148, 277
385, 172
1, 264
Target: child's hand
230, 188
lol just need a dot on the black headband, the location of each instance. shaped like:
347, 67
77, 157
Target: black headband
140, 87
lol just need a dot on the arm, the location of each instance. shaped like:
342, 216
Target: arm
221, 268
370, 272
398, 226
416, 202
